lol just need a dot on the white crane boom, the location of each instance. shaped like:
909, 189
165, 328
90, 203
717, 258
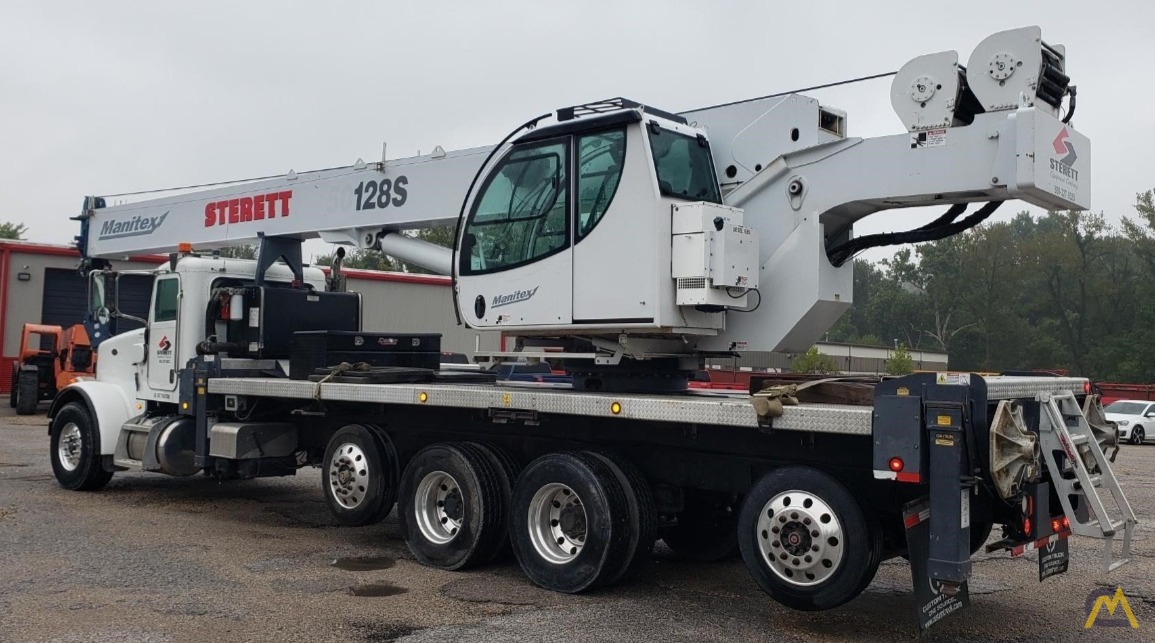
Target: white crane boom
340, 205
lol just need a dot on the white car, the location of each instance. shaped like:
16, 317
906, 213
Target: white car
1134, 417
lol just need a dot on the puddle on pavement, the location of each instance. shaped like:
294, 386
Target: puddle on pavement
363, 563
377, 589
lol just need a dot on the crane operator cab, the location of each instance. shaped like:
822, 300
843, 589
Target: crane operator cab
608, 222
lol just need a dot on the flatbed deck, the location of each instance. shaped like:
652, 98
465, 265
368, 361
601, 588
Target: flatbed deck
703, 407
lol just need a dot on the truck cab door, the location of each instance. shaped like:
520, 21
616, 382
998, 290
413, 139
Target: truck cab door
163, 328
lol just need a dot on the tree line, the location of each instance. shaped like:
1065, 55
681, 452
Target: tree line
1064, 290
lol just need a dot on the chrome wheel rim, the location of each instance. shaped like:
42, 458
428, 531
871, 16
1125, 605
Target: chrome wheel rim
349, 475
800, 538
439, 507
69, 449
557, 523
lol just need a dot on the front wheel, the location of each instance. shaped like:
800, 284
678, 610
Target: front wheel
1137, 435
360, 478
805, 539
75, 454
27, 392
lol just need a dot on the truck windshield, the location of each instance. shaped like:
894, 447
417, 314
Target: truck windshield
685, 168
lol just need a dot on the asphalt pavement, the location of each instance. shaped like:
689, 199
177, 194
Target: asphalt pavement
154, 558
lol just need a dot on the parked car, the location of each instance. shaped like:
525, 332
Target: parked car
1134, 417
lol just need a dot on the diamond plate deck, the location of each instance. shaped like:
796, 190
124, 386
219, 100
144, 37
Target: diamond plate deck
716, 410
721, 410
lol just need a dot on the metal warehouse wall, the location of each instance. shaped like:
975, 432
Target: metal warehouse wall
415, 303
23, 301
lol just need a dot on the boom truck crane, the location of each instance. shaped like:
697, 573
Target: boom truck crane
631, 243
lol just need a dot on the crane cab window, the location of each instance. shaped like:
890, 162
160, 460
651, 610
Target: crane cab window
600, 158
684, 166
522, 212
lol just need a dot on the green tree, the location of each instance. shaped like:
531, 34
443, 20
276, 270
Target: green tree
239, 252
9, 230
377, 260
900, 362
814, 362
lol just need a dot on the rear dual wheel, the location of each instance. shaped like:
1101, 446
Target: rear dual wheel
360, 476
454, 504
580, 521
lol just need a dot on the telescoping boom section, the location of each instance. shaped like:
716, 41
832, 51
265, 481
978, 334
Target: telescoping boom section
618, 245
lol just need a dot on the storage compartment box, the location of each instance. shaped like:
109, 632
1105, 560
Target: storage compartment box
328, 348
272, 315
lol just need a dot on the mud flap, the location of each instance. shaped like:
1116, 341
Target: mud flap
1054, 553
1054, 558
935, 599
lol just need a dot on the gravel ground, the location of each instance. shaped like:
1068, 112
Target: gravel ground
152, 558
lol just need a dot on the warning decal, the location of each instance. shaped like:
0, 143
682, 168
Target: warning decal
929, 138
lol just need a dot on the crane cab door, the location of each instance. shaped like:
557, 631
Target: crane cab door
614, 261
163, 326
515, 267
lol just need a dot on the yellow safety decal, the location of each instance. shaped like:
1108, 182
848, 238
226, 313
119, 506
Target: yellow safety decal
943, 420
902, 390
505, 399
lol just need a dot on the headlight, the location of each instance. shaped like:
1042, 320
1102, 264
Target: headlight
1122, 422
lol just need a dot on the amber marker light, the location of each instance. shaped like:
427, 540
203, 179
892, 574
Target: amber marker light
423, 397
616, 408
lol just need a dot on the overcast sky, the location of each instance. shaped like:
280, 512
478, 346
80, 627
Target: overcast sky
107, 97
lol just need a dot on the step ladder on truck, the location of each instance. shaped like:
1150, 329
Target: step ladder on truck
735, 224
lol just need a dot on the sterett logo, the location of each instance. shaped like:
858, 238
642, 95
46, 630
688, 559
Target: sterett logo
1101, 598
1065, 165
